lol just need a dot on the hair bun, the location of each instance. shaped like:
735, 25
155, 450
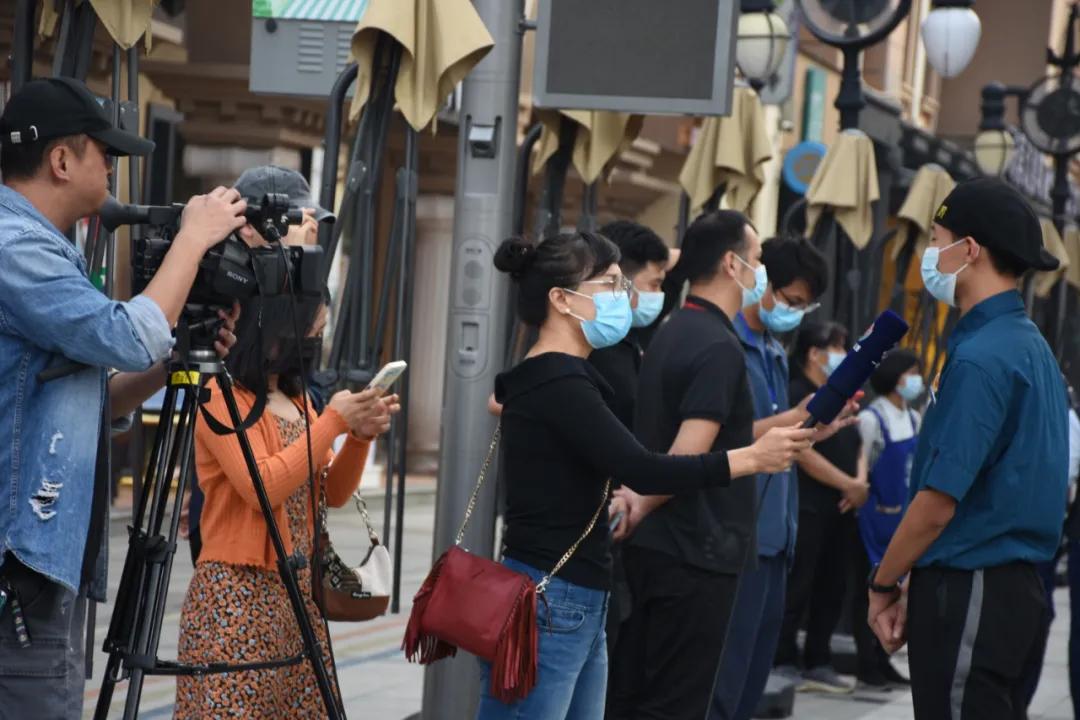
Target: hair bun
514, 256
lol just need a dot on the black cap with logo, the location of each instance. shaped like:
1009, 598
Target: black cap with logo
993, 213
50, 108
255, 182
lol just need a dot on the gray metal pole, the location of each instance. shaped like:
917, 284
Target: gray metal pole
478, 308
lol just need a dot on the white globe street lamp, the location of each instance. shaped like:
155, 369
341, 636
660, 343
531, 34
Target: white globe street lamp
951, 33
761, 42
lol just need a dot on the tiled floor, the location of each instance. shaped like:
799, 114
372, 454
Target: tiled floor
378, 684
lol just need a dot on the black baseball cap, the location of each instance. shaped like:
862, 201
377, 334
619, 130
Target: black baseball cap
256, 182
998, 217
50, 108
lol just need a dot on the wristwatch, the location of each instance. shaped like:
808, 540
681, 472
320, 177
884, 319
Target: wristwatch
882, 589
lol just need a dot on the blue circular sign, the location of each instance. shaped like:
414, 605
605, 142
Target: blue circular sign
800, 163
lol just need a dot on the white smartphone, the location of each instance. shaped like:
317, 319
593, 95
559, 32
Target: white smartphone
388, 375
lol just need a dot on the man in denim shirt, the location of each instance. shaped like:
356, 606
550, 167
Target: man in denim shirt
55, 140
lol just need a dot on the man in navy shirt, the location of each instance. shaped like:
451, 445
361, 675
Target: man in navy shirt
989, 478
798, 275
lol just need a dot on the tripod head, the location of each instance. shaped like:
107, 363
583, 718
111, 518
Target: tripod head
196, 333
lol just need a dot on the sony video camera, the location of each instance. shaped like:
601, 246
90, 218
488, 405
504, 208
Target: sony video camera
229, 271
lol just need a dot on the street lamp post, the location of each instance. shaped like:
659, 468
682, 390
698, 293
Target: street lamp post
852, 27
994, 145
1050, 119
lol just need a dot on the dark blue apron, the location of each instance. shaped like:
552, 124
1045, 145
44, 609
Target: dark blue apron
889, 478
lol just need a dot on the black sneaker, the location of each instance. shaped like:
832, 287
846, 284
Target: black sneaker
892, 675
874, 681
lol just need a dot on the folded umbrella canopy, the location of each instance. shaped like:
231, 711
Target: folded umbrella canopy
599, 136
928, 190
441, 41
846, 183
126, 20
730, 151
1071, 241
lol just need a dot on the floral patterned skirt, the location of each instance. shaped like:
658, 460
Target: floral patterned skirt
242, 614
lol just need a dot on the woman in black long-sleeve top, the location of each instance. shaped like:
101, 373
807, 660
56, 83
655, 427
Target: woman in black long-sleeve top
561, 442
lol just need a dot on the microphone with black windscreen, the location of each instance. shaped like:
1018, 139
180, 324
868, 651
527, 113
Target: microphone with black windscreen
856, 369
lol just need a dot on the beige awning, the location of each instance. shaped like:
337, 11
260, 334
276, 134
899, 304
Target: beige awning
126, 20
731, 150
1072, 249
1045, 281
846, 182
441, 41
928, 190
600, 137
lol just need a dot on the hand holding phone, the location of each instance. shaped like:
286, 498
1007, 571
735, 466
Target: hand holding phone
387, 376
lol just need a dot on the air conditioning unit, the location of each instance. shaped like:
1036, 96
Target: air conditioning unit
299, 47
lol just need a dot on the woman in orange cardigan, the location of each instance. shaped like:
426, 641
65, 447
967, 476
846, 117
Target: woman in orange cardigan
236, 609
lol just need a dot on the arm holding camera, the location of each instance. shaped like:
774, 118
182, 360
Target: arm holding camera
47, 299
207, 219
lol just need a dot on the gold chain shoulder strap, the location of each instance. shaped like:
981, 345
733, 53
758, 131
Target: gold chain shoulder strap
542, 585
479, 482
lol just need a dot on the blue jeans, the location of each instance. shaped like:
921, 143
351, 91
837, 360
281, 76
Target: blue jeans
572, 664
753, 634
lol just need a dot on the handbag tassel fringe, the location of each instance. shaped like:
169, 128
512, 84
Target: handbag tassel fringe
425, 649
513, 669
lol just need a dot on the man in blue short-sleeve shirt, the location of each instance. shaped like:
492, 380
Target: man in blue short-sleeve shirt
989, 478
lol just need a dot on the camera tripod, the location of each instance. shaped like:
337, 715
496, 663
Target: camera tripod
135, 630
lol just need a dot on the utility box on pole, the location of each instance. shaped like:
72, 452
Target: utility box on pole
478, 312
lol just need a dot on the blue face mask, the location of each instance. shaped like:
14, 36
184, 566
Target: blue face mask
833, 362
752, 296
612, 321
940, 285
649, 305
911, 388
782, 318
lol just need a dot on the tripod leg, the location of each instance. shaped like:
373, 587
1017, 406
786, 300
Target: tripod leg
286, 566
126, 611
163, 548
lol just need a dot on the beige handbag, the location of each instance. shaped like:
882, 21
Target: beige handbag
346, 593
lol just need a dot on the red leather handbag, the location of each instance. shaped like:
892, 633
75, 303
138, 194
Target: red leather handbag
483, 607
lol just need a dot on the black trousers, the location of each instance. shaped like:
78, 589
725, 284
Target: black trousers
970, 634
619, 603
816, 586
665, 663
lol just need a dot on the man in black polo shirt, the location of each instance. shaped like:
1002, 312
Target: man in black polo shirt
683, 560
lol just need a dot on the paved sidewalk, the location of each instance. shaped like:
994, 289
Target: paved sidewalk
378, 684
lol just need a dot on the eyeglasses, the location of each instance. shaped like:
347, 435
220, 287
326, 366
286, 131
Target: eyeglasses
779, 294
616, 285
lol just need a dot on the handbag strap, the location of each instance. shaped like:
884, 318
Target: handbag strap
542, 585
361, 506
